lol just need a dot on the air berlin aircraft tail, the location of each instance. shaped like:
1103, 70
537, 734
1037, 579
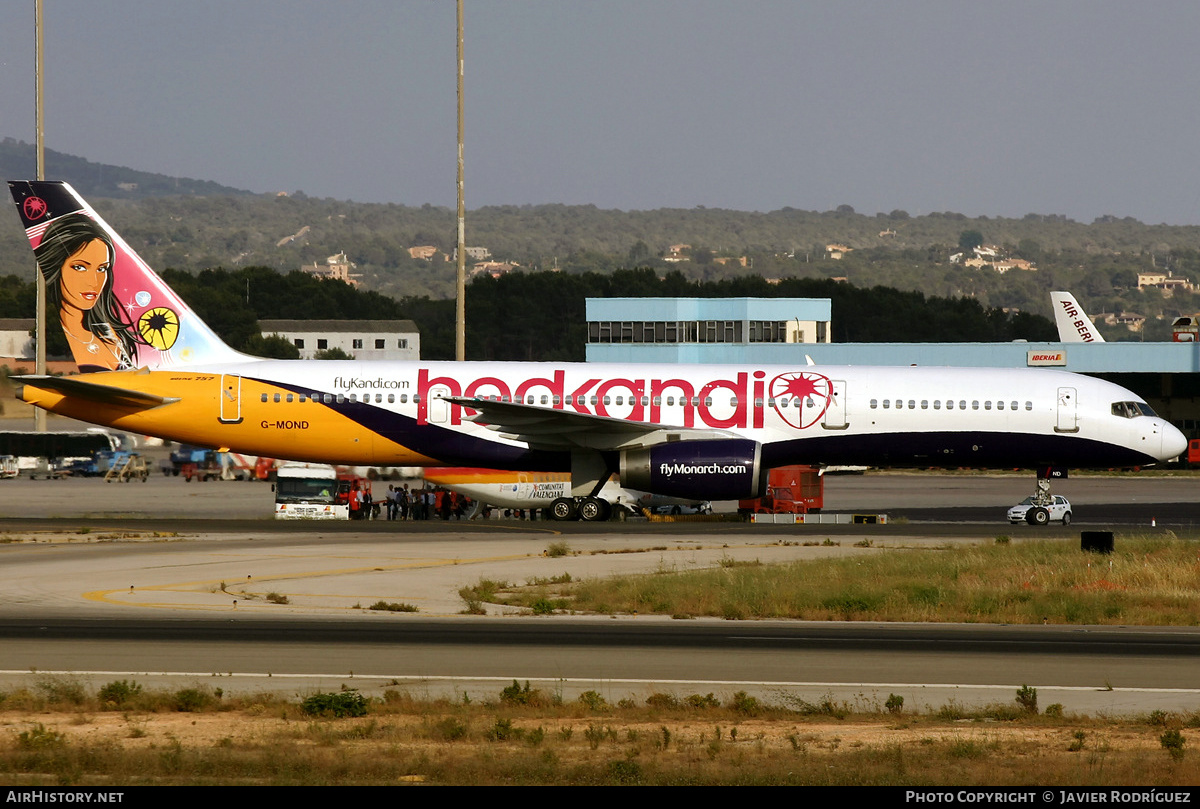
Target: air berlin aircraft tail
115, 312
1073, 325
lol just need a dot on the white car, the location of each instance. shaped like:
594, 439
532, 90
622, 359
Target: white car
1027, 511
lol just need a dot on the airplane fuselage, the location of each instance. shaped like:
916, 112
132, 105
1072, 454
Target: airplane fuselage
383, 413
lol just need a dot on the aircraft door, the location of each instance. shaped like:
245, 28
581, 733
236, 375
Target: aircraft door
231, 399
439, 408
1068, 411
836, 417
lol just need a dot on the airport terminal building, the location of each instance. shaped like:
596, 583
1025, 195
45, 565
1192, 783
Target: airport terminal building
689, 329
363, 339
735, 331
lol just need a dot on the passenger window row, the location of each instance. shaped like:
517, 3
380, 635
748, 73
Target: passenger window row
659, 401
330, 398
949, 404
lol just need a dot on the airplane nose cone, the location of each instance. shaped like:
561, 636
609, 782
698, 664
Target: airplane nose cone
1173, 442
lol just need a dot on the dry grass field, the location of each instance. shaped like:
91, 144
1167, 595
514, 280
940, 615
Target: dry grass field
1147, 581
53, 733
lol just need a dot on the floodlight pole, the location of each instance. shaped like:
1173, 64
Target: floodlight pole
460, 319
39, 350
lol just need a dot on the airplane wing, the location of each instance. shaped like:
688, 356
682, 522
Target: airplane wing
101, 394
548, 428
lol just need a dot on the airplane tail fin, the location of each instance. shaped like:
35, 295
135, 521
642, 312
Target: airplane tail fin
1073, 325
116, 313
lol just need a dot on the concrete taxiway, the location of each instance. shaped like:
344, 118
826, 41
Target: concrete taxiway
168, 582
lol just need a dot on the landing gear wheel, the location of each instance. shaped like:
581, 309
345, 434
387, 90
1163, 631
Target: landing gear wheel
563, 509
1067, 518
593, 509
1038, 516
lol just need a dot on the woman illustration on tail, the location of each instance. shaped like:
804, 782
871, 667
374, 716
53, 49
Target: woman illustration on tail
75, 257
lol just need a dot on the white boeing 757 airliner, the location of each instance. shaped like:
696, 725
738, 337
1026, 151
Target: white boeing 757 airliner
707, 432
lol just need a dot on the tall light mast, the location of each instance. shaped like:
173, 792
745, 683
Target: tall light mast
39, 350
460, 320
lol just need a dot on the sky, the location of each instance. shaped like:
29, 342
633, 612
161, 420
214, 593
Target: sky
1083, 108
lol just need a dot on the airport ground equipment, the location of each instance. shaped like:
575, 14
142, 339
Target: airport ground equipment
790, 490
308, 492
127, 466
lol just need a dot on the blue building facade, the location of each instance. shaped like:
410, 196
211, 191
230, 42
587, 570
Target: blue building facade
683, 324
621, 344
1167, 375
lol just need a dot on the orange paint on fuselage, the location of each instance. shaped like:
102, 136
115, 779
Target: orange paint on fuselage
301, 431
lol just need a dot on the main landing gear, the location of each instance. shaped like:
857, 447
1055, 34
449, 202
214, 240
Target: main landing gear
589, 472
590, 509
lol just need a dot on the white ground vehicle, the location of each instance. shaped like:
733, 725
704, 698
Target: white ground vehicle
308, 492
1039, 514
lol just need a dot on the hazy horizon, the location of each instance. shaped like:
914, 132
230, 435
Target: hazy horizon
1076, 108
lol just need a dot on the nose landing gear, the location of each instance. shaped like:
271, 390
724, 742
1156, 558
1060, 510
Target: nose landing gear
1043, 502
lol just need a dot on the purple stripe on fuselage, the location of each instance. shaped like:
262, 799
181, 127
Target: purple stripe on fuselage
450, 447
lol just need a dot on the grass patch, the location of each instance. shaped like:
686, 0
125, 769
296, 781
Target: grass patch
62, 691
339, 704
515, 694
1147, 581
191, 700
485, 591
542, 581
394, 606
546, 606
119, 693
543, 596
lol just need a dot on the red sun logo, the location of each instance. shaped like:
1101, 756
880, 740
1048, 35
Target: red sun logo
809, 396
34, 208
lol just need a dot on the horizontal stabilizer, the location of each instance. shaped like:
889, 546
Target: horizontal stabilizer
101, 394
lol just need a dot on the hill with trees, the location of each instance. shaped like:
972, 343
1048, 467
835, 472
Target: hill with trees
540, 316
191, 226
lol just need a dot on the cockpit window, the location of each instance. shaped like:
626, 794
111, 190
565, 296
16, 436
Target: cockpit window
1131, 410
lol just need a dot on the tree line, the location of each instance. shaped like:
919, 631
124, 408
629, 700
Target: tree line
193, 225
540, 316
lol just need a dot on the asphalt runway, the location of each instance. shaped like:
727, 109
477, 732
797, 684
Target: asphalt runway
1097, 671
1098, 501
166, 582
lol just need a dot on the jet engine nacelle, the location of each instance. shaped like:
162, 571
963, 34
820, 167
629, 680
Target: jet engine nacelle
717, 469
